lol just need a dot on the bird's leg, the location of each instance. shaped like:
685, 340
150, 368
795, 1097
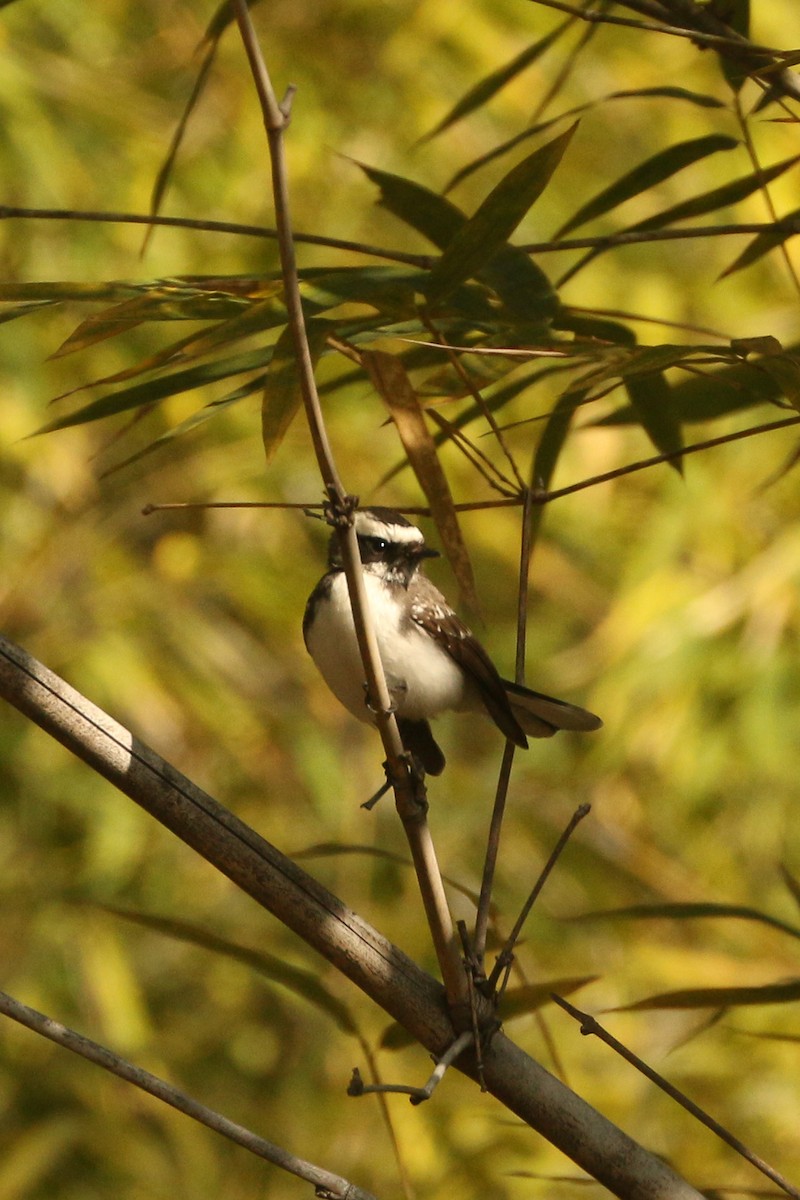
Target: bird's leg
415, 770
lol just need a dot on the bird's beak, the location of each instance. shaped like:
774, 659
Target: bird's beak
426, 552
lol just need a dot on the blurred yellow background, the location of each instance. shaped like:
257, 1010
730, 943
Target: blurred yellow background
667, 605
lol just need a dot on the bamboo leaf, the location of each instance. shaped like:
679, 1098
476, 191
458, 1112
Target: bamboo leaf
762, 243
300, 982
698, 206
652, 171
488, 87
155, 390
519, 1001
785, 992
391, 382
282, 390
737, 16
651, 398
551, 443
432, 215
221, 19
721, 197
791, 883
524, 288
22, 310
588, 326
483, 235
670, 93
331, 849
206, 413
689, 912
61, 290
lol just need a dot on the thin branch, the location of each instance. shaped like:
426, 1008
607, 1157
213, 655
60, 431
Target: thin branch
324, 1182
8, 212
504, 778
409, 795
357, 1087
755, 163
421, 510
589, 1026
506, 955
488, 470
477, 396
672, 456
704, 19
720, 41
633, 237
490, 858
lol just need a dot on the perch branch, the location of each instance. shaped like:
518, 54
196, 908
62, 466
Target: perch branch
408, 793
364, 956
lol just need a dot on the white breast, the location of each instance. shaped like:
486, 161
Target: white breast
423, 679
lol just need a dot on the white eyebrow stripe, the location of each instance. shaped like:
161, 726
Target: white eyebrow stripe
368, 525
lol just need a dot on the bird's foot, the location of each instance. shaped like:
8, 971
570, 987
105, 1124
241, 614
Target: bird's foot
395, 779
339, 509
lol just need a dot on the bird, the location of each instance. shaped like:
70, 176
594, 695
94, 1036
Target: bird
432, 661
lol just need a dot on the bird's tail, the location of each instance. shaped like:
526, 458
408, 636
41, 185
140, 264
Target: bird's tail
542, 716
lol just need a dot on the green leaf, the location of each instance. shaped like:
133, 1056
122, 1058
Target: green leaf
700, 99
68, 290
390, 289
223, 16
206, 413
690, 911
721, 197
654, 170
524, 288
784, 369
698, 206
673, 93
488, 87
651, 398
737, 16
553, 438
785, 992
330, 849
483, 235
435, 217
220, 20
792, 884
764, 242
519, 1001
283, 394
22, 310
586, 325
158, 304
395, 1037
305, 984
159, 389
526, 292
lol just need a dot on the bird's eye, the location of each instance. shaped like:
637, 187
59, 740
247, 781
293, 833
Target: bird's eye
372, 547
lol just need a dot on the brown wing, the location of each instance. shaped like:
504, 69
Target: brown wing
432, 613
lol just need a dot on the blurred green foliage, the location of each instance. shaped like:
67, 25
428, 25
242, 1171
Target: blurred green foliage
666, 604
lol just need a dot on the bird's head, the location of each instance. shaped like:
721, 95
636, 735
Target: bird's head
390, 546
